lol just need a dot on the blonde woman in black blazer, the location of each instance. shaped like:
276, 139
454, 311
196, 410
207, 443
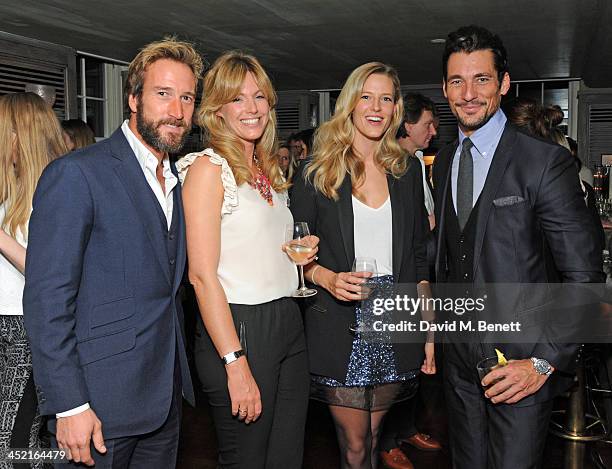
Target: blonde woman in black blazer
356, 160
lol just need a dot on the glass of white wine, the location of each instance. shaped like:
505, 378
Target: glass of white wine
364, 264
298, 250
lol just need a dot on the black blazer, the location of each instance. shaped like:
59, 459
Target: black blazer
532, 227
327, 319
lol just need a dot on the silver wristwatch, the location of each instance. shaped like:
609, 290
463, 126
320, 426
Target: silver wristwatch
232, 356
541, 366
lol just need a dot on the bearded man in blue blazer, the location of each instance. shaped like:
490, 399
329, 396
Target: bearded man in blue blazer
105, 259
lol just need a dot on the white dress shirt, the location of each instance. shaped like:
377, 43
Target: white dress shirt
148, 163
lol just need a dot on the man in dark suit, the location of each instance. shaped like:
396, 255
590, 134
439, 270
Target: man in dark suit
508, 207
106, 256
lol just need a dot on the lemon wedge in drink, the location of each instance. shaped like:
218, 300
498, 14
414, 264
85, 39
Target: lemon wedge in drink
501, 360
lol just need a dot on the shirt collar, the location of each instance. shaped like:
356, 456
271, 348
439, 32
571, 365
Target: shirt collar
146, 159
486, 138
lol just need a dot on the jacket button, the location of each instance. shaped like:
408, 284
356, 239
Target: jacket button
463, 257
172, 261
171, 236
466, 276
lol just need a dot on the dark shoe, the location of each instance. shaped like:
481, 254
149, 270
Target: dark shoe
423, 442
395, 459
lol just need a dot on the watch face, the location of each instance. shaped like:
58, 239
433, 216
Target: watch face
541, 366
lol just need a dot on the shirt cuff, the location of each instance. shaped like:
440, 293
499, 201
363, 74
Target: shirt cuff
75, 411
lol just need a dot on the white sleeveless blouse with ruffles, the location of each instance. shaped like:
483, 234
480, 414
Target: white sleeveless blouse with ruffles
252, 267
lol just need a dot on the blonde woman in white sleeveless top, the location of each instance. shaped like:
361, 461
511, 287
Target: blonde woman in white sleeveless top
236, 214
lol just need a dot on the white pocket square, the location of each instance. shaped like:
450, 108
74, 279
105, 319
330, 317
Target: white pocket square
508, 200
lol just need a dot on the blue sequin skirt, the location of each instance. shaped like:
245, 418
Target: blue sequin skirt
372, 381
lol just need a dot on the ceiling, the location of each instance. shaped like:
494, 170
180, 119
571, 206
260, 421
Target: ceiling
314, 44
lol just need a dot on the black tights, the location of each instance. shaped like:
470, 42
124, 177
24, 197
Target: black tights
358, 431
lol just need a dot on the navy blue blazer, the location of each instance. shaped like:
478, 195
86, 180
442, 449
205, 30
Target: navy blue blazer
100, 305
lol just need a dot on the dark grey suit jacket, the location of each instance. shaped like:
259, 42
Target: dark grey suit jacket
532, 227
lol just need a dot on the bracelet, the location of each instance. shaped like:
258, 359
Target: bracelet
232, 357
312, 276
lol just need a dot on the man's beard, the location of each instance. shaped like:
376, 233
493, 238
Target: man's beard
149, 131
475, 125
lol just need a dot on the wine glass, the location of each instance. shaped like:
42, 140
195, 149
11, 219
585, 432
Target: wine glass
364, 264
298, 250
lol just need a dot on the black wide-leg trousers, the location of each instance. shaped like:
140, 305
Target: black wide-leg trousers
276, 353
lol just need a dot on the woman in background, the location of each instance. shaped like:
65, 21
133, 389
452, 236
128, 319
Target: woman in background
284, 161
250, 347
30, 138
362, 197
77, 134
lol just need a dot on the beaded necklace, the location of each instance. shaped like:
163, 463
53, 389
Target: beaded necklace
262, 183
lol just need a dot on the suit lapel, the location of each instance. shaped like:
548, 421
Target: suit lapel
498, 167
445, 160
344, 206
145, 204
397, 223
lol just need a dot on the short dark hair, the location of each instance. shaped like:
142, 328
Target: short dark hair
414, 106
472, 38
306, 136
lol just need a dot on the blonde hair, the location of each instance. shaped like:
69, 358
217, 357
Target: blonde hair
28, 121
333, 153
222, 83
168, 48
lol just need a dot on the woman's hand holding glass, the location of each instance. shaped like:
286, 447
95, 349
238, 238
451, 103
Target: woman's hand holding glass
348, 286
352, 286
243, 390
304, 251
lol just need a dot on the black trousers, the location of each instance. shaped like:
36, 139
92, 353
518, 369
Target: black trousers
485, 435
276, 353
400, 423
